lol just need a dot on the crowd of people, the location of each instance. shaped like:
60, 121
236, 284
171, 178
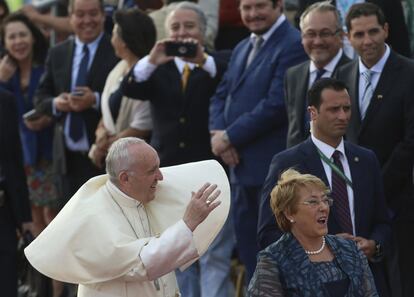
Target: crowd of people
311, 116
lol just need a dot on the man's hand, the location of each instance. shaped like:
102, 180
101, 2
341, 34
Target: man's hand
7, 68
367, 246
201, 204
157, 55
31, 12
38, 124
62, 102
85, 100
230, 156
218, 142
346, 236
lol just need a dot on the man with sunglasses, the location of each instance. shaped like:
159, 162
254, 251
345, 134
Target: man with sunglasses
322, 40
359, 211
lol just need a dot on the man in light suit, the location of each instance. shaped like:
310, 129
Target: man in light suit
180, 133
70, 89
14, 197
382, 83
330, 112
322, 40
248, 116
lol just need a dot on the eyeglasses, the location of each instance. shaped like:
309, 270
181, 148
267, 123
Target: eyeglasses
314, 203
325, 34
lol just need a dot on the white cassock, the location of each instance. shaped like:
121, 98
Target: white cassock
112, 245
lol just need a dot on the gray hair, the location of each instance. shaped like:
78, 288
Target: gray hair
324, 6
202, 19
119, 158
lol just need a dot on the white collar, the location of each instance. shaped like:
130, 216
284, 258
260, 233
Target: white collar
93, 44
269, 32
326, 149
120, 197
377, 68
330, 66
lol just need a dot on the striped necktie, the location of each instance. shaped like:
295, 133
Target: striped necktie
340, 195
368, 92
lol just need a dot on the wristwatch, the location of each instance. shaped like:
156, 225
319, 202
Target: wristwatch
225, 137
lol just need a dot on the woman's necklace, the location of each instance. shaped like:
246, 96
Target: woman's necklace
318, 251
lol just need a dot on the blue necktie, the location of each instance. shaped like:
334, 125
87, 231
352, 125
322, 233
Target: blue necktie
115, 103
76, 120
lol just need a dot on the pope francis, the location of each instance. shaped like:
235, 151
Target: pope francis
123, 233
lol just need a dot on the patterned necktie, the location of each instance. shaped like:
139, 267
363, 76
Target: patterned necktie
255, 49
185, 76
368, 92
76, 120
340, 196
319, 74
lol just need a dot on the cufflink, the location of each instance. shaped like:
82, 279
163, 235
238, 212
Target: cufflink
379, 97
356, 159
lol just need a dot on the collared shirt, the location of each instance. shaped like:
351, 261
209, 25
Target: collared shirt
328, 150
144, 69
329, 68
83, 143
269, 32
376, 72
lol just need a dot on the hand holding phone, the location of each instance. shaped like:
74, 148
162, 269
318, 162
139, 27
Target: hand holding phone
32, 115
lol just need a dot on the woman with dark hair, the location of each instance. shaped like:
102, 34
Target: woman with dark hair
133, 37
20, 70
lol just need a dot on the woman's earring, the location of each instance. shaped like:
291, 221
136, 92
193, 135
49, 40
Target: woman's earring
292, 221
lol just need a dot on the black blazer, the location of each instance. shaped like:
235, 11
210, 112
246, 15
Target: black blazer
371, 217
388, 127
58, 75
398, 33
11, 160
180, 119
296, 88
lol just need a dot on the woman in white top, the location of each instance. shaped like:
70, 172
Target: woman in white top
133, 37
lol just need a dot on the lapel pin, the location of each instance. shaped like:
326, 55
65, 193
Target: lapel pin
379, 96
356, 159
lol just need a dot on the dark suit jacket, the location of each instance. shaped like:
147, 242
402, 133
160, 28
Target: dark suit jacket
393, 11
11, 161
180, 119
57, 78
296, 88
388, 127
249, 103
371, 217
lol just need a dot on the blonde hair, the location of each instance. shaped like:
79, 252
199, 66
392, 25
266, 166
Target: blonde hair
284, 196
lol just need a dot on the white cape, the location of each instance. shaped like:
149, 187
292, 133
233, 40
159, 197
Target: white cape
85, 239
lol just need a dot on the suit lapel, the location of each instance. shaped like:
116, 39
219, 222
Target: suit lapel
387, 78
240, 61
357, 177
98, 59
355, 122
67, 62
270, 44
301, 97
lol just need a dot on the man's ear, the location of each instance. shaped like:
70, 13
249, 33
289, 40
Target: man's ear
123, 177
312, 112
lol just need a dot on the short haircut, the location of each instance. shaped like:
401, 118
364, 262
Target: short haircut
202, 19
137, 30
119, 157
71, 4
324, 6
273, 2
40, 44
284, 196
364, 9
315, 92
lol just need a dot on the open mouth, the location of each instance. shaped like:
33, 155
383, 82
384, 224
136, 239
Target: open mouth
322, 220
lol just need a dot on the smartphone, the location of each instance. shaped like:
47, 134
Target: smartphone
77, 93
32, 115
181, 49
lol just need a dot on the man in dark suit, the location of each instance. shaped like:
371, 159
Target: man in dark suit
70, 89
394, 14
359, 211
14, 197
179, 90
322, 40
382, 83
247, 113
